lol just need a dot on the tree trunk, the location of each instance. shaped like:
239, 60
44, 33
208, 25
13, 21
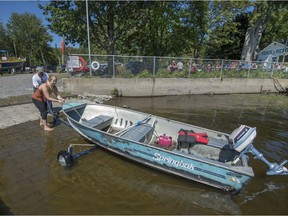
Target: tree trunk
42, 56
253, 37
252, 40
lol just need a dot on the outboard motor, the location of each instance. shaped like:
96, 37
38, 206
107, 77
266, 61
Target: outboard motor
241, 140
241, 137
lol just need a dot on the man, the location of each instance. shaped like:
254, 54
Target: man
39, 78
173, 66
180, 66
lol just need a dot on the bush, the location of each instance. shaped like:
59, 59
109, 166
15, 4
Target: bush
163, 73
124, 73
115, 92
145, 74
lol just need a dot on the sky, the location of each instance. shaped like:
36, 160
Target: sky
21, 6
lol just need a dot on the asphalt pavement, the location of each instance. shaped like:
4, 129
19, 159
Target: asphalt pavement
16, 105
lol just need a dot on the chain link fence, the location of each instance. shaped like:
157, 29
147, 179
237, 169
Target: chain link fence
114, 66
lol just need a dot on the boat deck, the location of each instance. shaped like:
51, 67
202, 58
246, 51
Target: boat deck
216, 149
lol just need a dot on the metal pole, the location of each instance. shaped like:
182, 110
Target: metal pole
113, 57
63, 51
88, 37
221, 71
15, 49
249, 70
154, 66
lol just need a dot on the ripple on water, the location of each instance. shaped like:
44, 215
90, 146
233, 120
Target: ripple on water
103, 183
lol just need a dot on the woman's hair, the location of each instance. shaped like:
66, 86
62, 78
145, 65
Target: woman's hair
51, 78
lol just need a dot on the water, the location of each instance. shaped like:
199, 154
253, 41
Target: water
32, 182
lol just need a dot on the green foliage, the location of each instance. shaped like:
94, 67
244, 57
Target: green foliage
166, 28
115, 92
180, 74
145, 74
204, 29
229, 38
235, 74
163, 74
264, 13
277, 28
124, 73
5, 41
30, 38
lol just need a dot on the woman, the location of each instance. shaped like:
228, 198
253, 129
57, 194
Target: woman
42, 94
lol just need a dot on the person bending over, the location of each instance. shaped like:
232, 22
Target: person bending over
39, 78
44, 93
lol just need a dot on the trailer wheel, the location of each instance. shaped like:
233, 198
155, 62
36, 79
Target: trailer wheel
65, 159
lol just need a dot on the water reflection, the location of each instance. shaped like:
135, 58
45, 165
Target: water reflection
269, 187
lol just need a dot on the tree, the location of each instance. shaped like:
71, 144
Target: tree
170, 28
150, 35
108, 21
131, 27
4, 39
194, 24
227, 24
29, 37
277, 28
260, 17
227, 41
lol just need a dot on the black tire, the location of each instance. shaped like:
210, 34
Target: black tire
65, 159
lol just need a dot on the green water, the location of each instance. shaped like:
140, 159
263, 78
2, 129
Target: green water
32, 182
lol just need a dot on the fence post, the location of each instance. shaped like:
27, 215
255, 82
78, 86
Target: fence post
221, 72
249, 70
113, 62
189, 74
154, 66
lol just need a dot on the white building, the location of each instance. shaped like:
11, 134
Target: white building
274, 52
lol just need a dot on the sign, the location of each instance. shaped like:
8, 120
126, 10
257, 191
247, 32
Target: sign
73, 62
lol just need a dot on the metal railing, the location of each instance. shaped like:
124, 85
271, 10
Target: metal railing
114, 66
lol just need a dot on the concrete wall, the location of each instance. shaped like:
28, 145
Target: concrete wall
168, 86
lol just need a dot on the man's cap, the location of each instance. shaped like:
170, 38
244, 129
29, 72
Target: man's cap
39, 69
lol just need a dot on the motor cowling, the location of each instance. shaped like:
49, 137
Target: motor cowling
241, 137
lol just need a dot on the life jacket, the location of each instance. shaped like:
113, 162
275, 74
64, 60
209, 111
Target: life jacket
189, 136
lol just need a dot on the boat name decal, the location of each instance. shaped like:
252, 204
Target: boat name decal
170, 160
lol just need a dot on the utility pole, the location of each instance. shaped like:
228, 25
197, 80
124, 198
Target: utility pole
88, 37
63, 50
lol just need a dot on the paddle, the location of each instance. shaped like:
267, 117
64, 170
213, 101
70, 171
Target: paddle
133, 125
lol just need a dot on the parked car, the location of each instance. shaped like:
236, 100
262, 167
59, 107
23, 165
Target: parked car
135, 66
103, 70
51, 68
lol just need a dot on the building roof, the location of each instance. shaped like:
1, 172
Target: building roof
273, 44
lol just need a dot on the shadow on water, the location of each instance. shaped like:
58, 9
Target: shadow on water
175, 195
183, 198
32, 182
4, 210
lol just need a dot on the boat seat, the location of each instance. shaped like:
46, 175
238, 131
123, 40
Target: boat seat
99, 122
139, 133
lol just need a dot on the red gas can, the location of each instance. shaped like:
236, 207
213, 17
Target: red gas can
164, 141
